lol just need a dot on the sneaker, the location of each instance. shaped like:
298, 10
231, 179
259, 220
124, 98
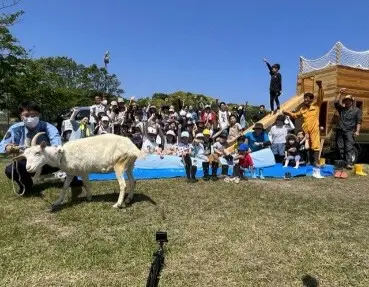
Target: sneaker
206, 178
214, 178
349, 166
237, 180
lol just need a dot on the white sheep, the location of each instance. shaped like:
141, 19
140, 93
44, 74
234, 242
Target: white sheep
102, 153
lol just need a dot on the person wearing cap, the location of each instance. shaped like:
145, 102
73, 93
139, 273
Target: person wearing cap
309, 112
243, 161
184, 151
275, 88
258, 138
150, 144
277, 136
172, 113
223, 116
105, 127
207, 143
348, 127
292, 151
171, 145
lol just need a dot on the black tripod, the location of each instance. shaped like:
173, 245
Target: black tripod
158, 262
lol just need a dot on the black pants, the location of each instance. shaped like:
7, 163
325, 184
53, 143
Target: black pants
274, 98
345, 144
26, 177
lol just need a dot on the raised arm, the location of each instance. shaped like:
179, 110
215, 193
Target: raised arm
320, 93
268, 65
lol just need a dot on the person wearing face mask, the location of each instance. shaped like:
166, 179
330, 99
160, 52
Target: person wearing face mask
20, 135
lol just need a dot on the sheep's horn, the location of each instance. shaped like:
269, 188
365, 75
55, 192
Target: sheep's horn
34, 140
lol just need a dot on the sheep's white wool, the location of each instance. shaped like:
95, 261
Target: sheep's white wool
102, 153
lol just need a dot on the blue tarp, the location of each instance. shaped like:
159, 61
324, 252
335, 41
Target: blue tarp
171, 166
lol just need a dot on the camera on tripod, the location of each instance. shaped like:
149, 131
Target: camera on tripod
158, 261
161, 237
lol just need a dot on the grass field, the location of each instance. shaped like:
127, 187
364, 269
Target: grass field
260, 233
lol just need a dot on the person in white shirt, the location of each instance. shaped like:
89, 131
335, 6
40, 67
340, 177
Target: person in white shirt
171, 144
105, 127
223, 116
95, 109
278, 134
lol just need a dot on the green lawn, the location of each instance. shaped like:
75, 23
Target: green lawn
259, 233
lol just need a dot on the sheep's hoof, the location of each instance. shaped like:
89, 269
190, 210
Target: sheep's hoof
54, 207
117, 205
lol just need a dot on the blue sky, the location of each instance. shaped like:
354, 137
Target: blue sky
201, 46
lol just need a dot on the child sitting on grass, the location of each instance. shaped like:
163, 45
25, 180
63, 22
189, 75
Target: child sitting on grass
292, 151
244, 161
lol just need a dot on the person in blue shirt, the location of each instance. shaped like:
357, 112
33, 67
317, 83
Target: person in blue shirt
20, 135
258, 138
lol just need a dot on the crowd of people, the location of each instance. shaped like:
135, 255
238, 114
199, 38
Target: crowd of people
213, 135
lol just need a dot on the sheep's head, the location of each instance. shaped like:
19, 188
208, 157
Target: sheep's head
36, 155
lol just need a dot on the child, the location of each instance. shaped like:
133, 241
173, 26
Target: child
244, 162
277, 136
292, 151
184, 151
304, 146
207, 152
105, 127
171, 146
219, 152
275, 88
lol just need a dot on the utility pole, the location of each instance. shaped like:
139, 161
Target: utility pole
106, 62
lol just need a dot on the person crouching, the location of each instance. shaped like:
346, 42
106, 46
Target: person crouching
243, 161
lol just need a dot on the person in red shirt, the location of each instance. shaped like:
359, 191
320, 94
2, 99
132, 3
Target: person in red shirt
207, 115
244, 162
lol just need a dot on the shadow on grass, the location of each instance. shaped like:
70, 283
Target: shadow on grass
108, 197
309, 281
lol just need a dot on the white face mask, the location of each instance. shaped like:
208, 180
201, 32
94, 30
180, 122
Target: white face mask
31, 122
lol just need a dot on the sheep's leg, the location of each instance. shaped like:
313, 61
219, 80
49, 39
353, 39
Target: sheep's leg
87, 185
66, 185
119, 169
131, 183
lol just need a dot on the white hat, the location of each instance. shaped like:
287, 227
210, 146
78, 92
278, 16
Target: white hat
120, 100
207, 106
189, 116
185, 134
171, 110
240, 107
200, 135
171, 132
152, 107
105, 119
114, 103
151, 130
182, 113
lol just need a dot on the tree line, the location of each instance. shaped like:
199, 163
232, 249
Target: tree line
59, 83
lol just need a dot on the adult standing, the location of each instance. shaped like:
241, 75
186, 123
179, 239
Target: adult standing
95, 109
348, 126
309, 112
